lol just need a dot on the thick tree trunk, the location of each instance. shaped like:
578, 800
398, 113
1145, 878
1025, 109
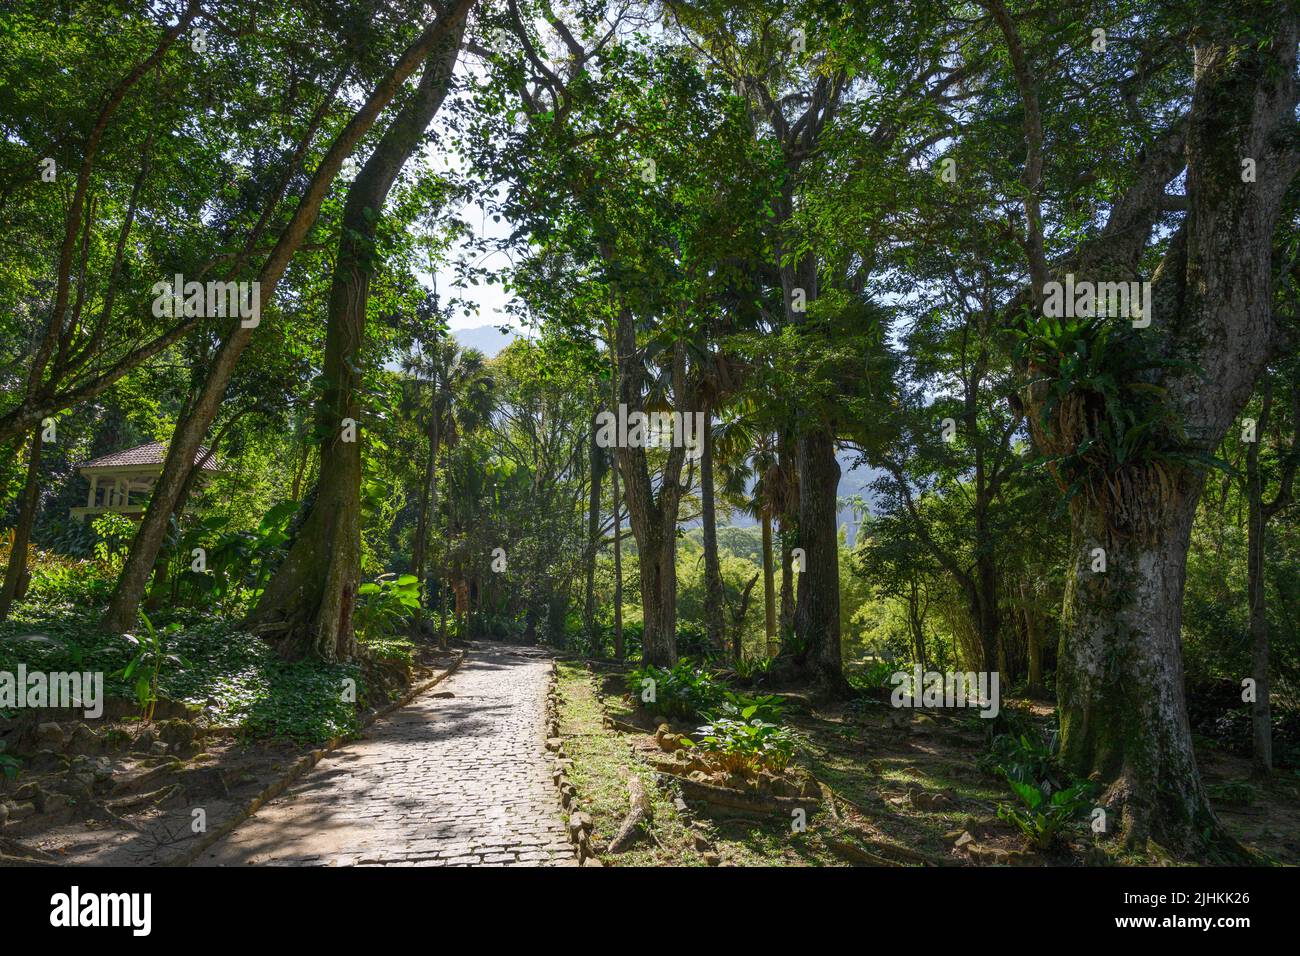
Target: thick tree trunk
189, 432
653, 516
659, 600
714, 621
819, 610
1120, 676
306, 609
15, 583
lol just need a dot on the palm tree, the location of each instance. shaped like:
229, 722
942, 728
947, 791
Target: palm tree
448, 392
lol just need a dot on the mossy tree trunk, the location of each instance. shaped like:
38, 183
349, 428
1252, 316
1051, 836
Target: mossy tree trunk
191, 429
1120, 676
306, 609
15, 583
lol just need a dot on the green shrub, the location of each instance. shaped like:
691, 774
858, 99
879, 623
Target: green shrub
747, 744
389, 649
740, 707
684, 690
1023, 759
875, 675
1044, 817
146, 665
386, 605
113, 536
751, 668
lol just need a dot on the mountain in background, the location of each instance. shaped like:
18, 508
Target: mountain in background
490, 340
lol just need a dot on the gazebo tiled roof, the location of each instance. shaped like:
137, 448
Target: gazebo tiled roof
152, 453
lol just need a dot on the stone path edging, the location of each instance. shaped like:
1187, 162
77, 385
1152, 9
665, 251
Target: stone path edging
578, 825
301, 766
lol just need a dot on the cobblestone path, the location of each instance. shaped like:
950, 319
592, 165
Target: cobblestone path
445, 781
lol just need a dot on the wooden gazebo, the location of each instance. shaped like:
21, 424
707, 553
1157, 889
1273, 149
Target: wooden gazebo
116, 477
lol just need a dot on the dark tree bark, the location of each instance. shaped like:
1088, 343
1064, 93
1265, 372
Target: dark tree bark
818, 615
306, 608
769, 584
1259, 514
596, 465
1120, 676
714, 621
16, 572
617, 505
653, 516
189, 431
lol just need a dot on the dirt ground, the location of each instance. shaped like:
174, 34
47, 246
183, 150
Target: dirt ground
906, 788
120, 792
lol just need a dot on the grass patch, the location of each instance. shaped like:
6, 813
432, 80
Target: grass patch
601, 764
601, 761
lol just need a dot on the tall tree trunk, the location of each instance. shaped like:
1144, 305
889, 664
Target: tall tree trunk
1035, 641
1256, 532
433, 522
1120, 678
714, 622
16, 572
653, 516
769, 584
787, 582
817, 617
159, 589
987, 621
595, 463
788, 534
617, 505
917, 626
1259, 514
819, 610
428, 509
306, 609
300, 471
189, 432
1120, 674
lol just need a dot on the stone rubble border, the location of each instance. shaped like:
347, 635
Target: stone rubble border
578, 825
302, 765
